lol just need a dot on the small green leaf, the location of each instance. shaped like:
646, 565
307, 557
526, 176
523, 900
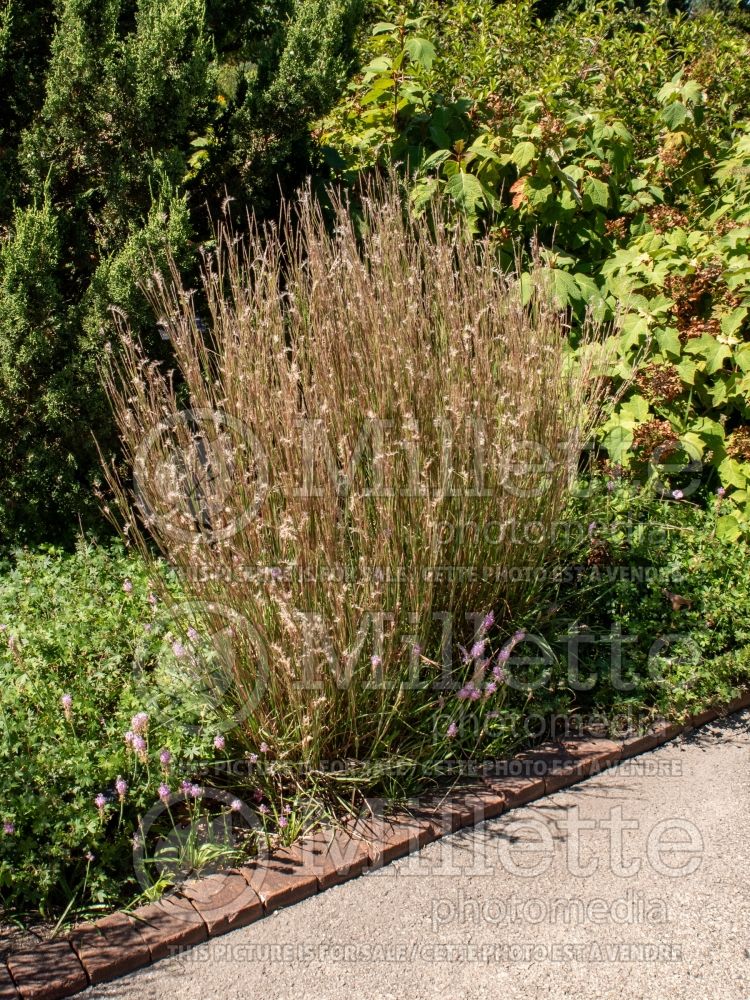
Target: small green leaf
421, 52
523, 154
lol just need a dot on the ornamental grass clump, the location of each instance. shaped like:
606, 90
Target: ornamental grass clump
356, 466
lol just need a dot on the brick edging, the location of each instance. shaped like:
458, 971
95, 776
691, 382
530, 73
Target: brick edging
207, 907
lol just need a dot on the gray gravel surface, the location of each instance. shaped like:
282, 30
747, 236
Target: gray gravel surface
634, 884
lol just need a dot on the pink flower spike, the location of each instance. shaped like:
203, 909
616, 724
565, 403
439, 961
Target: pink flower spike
219, 742
452, 730
127, 586
235, 805
263, 748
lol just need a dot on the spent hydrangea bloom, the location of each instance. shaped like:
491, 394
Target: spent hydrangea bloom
283, 821
164, 792
139, 722
219, 742
165, 758
677, 494
9, 828
121, 787
100, 802
452, 730
178, 649
235, 805
67, 703
127, 586
263, 747
263, 809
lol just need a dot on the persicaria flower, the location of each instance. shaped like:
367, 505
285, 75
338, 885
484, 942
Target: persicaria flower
121, 787
490, 688
139, 722
152, 599
139, 745
9, 828
178, 649
489, 621
375, 661
235, 805
67, 703
195, 791
721, 492
165, 758
263, 810
129, 737
253, 758
504, 654
257, 795
127, 586
519, 636
164, 792
186, 786
478, 649
499, 674
192, 634
678, 494
263, 748
452, 730
219, 742
283, 821
100, 802
286, 810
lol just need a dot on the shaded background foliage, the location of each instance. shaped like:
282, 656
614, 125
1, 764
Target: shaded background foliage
125, 124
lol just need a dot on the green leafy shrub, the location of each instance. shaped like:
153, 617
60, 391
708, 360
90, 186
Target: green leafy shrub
85, 625
655, 574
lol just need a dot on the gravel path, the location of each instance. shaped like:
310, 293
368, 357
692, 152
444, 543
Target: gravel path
634, 884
